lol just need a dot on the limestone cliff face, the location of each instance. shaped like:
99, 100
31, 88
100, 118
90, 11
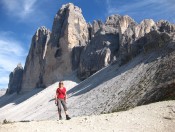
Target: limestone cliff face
105, 44
68, 32
15, 80
132, 39
50, 55
74, 44
140, 59
123, 45
100, 52
130, 35
120, 22
34, 66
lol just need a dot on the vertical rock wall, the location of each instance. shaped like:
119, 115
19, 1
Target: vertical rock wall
35, 63
15, 79
74, 44
68, 32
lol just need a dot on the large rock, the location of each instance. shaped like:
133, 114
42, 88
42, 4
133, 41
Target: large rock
128, 48
99, 52
144, 36
145, 27
96, 25
69, 31
105, 43
165, 26
126, 39
15, 80
121, 23
35, 62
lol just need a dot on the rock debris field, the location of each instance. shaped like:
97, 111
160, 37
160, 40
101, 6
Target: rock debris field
157, 117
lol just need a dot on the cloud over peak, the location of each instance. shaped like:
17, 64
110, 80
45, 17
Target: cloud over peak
19, 8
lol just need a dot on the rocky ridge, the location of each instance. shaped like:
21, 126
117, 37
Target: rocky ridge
74, 45
35, 63
69, 32
15, 80
49, 58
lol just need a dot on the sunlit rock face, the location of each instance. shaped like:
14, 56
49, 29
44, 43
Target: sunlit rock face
69, 32
35, 62
74, 45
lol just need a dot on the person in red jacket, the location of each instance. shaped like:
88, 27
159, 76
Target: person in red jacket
60, 98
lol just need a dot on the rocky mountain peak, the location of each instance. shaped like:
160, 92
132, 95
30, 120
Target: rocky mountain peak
74, 44
19, 66
70, 6
35, 62
125, 64
43, 30
147, 22
165, 26
15, 80
120, 22
96, 25
69, 20
51, 52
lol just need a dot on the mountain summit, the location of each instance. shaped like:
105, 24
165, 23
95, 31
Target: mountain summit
131, 62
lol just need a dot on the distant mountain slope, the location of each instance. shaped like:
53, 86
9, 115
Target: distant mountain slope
35, 105
113, 88
2, 92
148, 78
76, 46
121, 64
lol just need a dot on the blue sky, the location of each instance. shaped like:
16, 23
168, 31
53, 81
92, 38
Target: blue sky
19, 19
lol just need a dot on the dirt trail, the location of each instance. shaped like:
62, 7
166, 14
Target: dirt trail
157, 117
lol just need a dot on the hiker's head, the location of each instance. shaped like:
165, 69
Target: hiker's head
61, 84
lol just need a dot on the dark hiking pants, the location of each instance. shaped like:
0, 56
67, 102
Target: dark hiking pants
59, 102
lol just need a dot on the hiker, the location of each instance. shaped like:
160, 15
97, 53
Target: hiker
60, 98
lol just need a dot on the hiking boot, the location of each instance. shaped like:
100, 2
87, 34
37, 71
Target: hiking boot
60, 118
67, 117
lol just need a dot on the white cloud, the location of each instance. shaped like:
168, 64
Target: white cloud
19, 8
149, 8
7, 48
11, 53
37, 12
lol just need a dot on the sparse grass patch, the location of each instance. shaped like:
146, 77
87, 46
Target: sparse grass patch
5, 121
